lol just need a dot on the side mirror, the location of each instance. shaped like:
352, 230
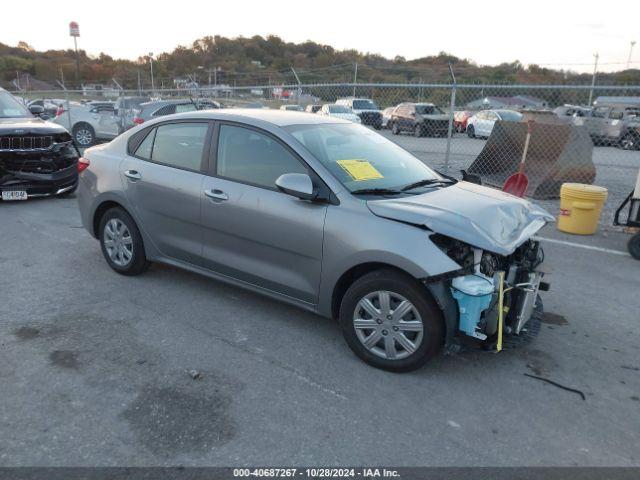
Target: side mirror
36, 109
296, 184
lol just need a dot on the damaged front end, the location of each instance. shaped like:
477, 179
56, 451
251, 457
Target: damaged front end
496, 296
34, 164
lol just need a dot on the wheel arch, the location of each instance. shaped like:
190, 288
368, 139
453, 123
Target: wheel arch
353, 274
101, 210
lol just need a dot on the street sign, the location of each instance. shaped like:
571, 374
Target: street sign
74, 29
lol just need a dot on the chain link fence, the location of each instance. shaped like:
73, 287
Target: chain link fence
579, 133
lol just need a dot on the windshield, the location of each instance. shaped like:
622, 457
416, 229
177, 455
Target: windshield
364, 105
11, 108
510, 115
339, 109
360, 158
428, 110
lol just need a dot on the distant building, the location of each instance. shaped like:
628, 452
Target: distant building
525, 102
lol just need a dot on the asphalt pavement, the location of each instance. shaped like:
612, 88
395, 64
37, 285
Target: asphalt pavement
98, 369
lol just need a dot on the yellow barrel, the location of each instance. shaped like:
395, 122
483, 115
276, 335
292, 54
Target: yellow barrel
580, 208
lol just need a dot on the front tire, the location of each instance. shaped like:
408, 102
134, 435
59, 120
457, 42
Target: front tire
395, 129
389, 320
418, 131
121, 242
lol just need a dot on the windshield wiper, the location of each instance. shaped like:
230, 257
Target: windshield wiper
428, 181
376, 191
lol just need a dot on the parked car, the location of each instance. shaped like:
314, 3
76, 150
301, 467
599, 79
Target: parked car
460, 119
617, 125
127, 108
420, 119
386, 116
312, 108
37, 157
365, 108
50, 105
333, 218
339, 111
570, 111
89, 123
481, 124
160, 108
291, 108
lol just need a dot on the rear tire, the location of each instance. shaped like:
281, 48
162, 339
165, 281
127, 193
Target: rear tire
394, 128
121, 243
403, 341
471, 133
84, 134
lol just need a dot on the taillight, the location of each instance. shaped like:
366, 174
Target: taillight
60, 111
83, 163
138, 120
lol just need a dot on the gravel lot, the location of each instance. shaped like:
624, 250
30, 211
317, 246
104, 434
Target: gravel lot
93, 368
616, 169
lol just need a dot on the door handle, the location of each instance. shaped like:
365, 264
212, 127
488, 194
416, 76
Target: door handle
216, 194
132, 174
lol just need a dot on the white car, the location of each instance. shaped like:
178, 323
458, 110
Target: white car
90, 122
481, 124
339, 111
365, 108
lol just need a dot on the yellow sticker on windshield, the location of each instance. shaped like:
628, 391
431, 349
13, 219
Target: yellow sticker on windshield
359, 169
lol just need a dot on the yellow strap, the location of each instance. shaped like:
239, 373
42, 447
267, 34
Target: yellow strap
500, 309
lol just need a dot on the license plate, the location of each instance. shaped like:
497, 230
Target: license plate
10, 195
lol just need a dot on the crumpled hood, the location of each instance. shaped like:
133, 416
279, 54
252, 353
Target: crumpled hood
28, 125
480, 216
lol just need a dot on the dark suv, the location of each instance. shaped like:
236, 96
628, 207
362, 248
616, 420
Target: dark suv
420, 119
37, 158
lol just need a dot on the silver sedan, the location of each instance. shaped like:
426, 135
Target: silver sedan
320, 213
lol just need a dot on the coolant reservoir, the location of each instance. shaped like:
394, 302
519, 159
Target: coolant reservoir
473, 293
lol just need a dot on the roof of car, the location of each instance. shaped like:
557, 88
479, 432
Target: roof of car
281, 118
178, 101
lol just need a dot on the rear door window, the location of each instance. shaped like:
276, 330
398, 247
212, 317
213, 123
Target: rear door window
144, 149
179, 145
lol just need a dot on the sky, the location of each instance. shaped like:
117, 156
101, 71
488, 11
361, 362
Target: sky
553, 33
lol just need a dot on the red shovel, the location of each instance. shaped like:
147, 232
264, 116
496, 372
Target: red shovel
517, 183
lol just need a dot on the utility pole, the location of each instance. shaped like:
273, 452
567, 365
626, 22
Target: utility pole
355, 78
452, 106
593, 79
298, 80
633, 42
151, 63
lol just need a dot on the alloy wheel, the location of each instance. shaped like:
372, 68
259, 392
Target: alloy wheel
84, 136
388, 325
118, 242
